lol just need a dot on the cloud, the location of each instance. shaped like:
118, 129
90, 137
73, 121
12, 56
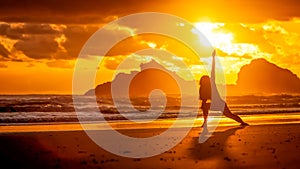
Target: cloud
18, 30
234, 55
38, 46
112, 63
46, 41
150, 41
67, 12
60, 64
3, 51
3, 65
276, 41
53, 41
95, 11
30, 65
3, 28
36, 41
76, 36
244, 35
284, 37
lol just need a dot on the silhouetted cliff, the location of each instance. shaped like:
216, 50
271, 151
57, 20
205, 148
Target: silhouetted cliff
263, 77
151, 76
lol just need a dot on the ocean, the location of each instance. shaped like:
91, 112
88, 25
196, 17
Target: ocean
60, 108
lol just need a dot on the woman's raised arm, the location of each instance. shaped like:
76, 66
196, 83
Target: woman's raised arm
213, 68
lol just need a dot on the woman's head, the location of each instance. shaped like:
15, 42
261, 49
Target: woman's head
204, 81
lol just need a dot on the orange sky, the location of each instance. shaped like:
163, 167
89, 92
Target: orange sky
39, 44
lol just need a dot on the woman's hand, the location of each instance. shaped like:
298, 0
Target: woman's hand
214, 53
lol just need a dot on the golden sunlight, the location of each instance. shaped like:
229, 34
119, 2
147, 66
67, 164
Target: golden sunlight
150, 44
225, 40
217, 39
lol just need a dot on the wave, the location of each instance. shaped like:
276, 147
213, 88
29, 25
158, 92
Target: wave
60, 108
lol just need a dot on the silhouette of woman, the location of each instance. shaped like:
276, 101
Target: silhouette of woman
205, 95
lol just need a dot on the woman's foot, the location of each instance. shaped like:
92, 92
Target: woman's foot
204, 123
244, 124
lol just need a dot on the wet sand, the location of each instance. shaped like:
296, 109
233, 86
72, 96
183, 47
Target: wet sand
231, 146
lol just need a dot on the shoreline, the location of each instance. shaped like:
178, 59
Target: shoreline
160, 123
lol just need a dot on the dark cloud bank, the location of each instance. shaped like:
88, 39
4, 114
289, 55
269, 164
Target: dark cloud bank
97, 11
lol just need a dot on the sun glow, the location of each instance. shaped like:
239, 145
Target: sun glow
150, 44
224, 40
218, 39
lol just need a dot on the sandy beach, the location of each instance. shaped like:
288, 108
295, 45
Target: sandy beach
259, 145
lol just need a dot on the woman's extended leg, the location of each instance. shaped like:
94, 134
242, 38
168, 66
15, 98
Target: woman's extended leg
205, 107
205, 114
229, 114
